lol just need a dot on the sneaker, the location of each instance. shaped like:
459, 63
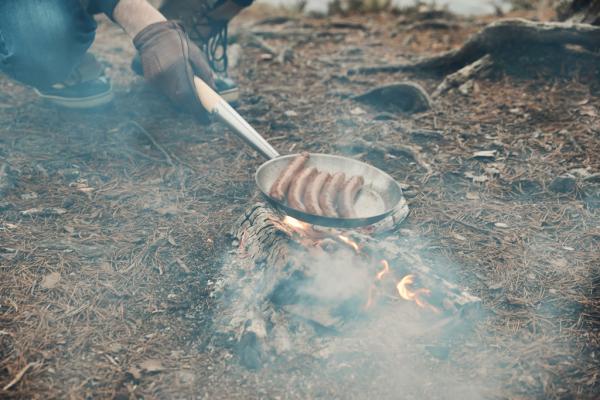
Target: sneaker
87, 87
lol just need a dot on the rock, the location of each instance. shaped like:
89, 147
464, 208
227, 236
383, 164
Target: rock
405, 97
68, 202
5, 205
563, 184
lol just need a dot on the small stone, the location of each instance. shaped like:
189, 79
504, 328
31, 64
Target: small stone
290, 113
485, 155
405, 97
563, 184
68, 202
358, 111
5, 205
501, 225
51, 280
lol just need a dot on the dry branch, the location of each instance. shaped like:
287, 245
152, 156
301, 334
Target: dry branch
478, 69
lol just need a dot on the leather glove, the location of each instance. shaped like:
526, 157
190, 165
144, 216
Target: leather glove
170, 60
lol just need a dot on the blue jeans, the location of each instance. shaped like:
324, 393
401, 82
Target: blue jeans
42, 41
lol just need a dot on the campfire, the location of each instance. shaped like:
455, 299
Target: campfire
300, 281
322, 239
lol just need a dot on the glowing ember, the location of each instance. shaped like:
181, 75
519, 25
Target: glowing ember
415, 296
349, 242
385, 270
296, 224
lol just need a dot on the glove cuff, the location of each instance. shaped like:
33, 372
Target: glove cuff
152, 30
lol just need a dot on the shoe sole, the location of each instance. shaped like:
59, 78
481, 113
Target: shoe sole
231, 95
95, 101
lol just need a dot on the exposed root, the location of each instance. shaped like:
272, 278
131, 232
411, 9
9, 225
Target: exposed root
478, 69
512, 35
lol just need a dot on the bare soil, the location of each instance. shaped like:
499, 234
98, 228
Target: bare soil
107, 293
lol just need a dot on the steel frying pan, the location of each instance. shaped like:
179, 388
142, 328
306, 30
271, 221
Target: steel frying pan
378, 199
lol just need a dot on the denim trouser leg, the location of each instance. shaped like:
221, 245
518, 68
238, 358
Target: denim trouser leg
42, 41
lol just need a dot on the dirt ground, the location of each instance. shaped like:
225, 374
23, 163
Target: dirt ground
106, 292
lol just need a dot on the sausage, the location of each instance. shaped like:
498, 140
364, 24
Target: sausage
329, 194
313, 189
298, 188
348, 196
282, 183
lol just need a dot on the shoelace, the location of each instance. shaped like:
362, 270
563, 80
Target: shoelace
215, 49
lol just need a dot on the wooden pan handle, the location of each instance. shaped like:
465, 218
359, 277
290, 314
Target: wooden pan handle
208, 97
218, 107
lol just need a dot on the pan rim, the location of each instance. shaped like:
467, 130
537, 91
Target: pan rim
323, 220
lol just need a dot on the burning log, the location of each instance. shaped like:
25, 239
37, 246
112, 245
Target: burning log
288, 284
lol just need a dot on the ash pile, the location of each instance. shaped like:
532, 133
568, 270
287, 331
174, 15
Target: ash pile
291, 289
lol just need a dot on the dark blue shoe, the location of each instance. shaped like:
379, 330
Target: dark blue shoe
87, 87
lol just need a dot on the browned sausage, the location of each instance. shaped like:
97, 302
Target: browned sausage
313, 189
348, 196
329, 194
282, 183
298, 188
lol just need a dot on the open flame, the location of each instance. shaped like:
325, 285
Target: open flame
384, 271
414, 295
350, 243
296, 224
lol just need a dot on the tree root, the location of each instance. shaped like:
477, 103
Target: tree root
499, 39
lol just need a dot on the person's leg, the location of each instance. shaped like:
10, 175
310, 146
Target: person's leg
43, 41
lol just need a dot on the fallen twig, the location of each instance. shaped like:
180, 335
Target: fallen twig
20, 374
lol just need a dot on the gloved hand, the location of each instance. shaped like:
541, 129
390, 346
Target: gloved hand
170, 60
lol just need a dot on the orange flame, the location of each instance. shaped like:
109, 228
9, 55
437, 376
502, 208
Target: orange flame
349, 242
415, 296
385, 270
296, 224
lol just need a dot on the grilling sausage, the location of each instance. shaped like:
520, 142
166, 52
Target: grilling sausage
282, 183
348, 196
329, 194
313, 189
298, 188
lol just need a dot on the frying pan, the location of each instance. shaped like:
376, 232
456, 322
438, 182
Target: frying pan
378, 198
